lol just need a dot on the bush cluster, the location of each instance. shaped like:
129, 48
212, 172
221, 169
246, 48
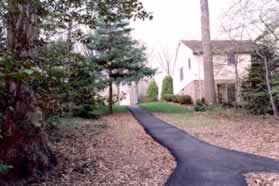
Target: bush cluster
168, 97
182, 99
85, 111
200, 105
185, 100
147, 99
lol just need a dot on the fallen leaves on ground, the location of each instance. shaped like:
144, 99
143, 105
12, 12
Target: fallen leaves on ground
120, 153
249, 134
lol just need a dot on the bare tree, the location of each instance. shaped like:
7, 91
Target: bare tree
237, 61
268, 83
209, 82
166, 61
257, 20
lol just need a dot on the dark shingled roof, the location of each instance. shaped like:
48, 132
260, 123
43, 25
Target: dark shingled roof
222, 46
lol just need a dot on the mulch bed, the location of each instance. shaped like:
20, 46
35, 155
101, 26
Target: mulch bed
112, 151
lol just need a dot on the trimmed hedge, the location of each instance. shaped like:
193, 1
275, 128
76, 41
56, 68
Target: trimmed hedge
167, 87
152, 92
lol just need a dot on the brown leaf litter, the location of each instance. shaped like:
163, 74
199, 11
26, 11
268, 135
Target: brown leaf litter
112, 151
247, 133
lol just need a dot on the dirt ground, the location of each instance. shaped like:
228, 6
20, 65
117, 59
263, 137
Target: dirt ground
112, 151
243, 133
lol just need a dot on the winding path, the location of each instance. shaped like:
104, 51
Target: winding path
199, 163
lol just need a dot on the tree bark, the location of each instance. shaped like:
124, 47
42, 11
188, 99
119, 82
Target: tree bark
269, 88
209, 82
118, 93
237, 84
137, 92
110, 102
268, 84
69, 36
24, 144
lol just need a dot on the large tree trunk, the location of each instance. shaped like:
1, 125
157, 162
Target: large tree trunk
237, 84
209, 82
24, 144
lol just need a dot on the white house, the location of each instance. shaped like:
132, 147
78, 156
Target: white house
189, 71
127, 94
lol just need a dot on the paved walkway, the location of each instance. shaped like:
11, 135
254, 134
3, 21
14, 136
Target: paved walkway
199, 163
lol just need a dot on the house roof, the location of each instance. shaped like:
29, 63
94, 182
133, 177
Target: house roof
222, 46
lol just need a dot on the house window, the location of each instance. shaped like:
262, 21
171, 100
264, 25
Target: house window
181, 74
189, 64
231, 59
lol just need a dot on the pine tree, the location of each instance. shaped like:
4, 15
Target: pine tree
254, 89
117, 55
152, 91
167, 87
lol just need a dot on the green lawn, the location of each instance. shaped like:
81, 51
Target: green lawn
180, 116
162, 107
116, 109
191, 120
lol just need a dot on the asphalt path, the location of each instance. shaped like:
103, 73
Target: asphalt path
200, 163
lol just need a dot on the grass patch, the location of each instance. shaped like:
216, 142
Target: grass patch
190, 120
162, 107
217, 109
116, 109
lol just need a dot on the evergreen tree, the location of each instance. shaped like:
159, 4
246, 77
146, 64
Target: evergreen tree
254, 89
152, 91
26, 25
117, 55
167, 87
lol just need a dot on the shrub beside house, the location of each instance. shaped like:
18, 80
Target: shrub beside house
167, 87
152, 92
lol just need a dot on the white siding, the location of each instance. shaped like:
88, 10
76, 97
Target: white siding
184, 54
224, 71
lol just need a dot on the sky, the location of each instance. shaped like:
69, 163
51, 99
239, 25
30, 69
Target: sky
175, 20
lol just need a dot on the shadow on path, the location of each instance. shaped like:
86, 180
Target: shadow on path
199, 163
